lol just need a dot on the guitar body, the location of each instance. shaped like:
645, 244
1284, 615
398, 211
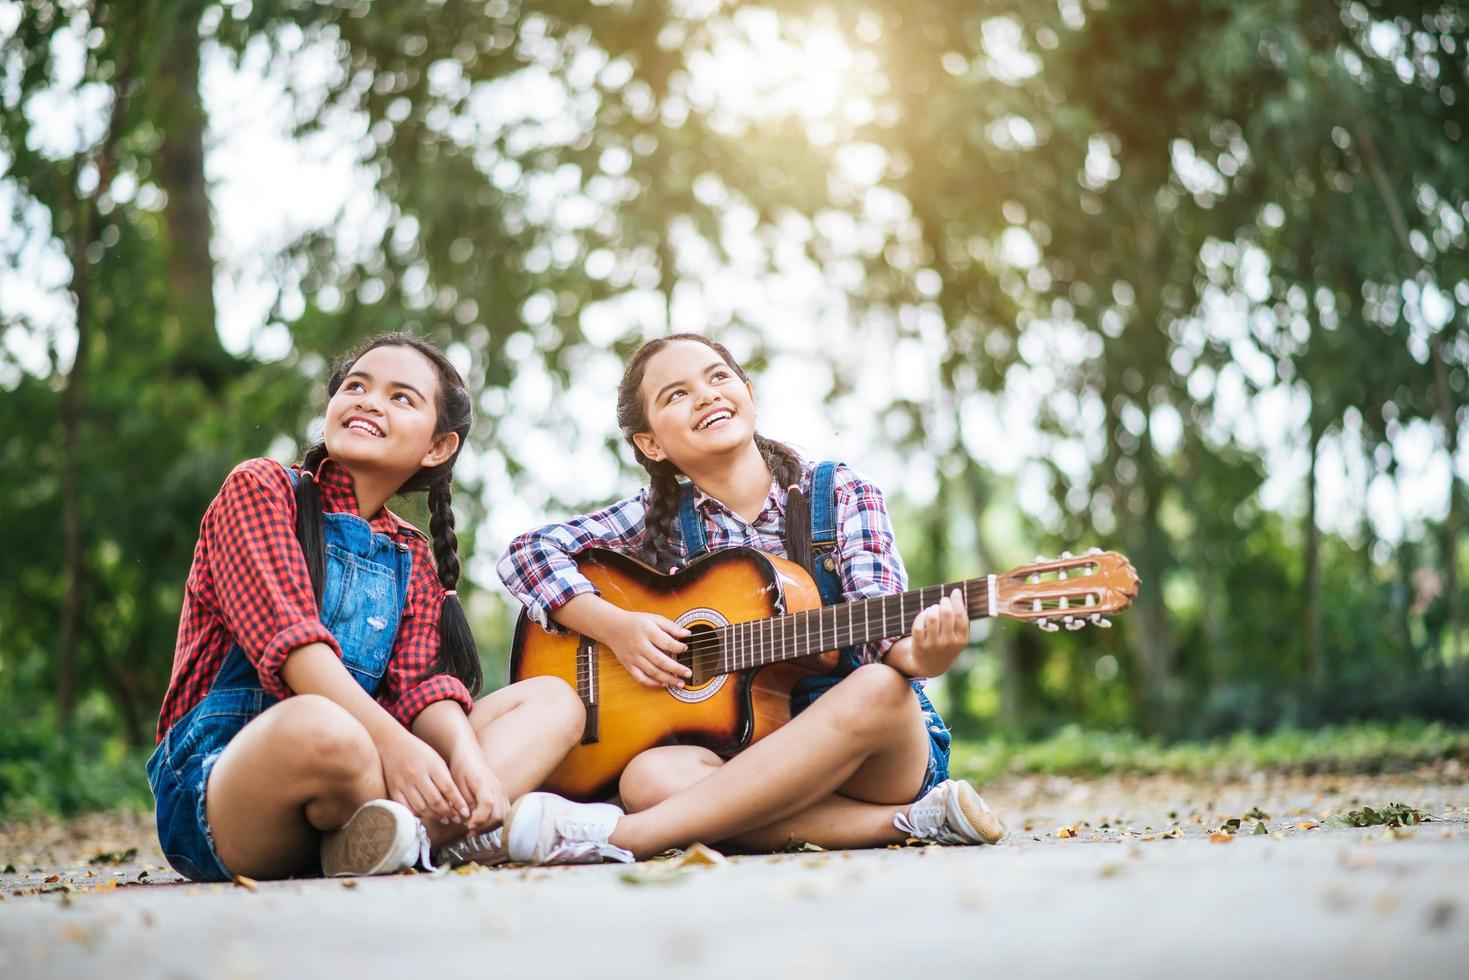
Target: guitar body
723, 712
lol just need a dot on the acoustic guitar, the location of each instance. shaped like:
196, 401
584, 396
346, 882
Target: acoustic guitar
758, 627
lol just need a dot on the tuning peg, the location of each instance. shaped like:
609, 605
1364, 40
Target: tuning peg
1075, 623
1094, 551
1047, 625
1065, 554
1097, 620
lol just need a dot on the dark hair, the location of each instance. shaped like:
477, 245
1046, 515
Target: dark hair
457, 652
661, 522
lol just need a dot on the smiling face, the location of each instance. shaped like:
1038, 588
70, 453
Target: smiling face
384, 415
698, 408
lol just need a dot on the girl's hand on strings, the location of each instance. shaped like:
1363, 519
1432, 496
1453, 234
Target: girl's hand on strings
417, 777
642, 643
940, 632
482, 789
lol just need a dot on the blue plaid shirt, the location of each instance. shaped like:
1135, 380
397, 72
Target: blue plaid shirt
539, 570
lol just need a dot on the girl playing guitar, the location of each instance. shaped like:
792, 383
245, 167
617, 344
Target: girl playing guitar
864, 761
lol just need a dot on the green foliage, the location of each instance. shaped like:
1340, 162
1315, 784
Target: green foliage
49, 771
1193, 234
1073, 750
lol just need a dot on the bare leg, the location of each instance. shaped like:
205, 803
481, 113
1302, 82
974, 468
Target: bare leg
527, 729
835, 822
302, 767
865, 738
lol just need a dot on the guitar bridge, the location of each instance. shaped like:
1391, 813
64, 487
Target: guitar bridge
586, 686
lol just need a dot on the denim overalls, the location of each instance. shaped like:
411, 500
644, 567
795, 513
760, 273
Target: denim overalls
829, 583
366, 585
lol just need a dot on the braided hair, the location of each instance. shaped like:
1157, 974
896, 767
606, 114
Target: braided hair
458, 654
661, 522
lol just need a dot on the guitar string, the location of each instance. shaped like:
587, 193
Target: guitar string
616, 684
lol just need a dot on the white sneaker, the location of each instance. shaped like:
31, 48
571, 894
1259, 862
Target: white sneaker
951, 813
382, 838
487, 849
543, 828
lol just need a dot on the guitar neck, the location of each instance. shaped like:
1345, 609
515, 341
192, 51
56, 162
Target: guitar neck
811, 631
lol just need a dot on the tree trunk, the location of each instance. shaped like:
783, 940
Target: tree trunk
1311, 659
190, 327
73, 400
1443, 396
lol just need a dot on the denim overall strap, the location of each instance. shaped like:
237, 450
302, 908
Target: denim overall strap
824, 533
691, 525
827, 568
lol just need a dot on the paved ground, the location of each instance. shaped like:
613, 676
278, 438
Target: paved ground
1127, 896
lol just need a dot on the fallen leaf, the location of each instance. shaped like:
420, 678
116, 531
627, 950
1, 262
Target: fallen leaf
1260, 828
1440, 914
1257, 814
1308, 825
247, 883
1221, 837
114, 857
349, 882
701, 856
1173, 833
661, 873
1065, 832
53, 879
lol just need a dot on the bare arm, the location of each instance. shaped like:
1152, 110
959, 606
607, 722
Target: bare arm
642, 642
414, 773
446, 727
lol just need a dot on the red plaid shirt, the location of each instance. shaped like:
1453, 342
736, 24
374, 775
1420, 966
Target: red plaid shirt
249, 585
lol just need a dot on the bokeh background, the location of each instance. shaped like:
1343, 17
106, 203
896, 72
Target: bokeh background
1185, 278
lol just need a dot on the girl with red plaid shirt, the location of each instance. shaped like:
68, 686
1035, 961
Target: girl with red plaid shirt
320, 714
864, 760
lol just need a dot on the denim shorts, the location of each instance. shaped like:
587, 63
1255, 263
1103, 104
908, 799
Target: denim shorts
178, 773
939, 737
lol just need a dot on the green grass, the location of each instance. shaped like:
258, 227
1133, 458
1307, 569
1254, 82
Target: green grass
1370, 747
43, 774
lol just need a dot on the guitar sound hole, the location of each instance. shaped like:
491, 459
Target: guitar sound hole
697, 655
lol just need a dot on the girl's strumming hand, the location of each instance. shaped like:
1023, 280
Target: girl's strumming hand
418, 777
642, 643
481, 787
940, 632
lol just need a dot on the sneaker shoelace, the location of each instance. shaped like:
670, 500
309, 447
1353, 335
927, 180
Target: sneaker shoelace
577, 840
481, 847
425, 850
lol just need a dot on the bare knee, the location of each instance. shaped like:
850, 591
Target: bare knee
556, 708
324, 738
657, 774
870, 700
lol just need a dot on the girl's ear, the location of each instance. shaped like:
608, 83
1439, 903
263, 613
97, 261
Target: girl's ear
649, 447
443, 446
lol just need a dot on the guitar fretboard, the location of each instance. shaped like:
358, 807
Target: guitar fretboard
760, 642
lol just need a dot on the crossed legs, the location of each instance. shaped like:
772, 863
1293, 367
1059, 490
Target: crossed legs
305, 765
835, 776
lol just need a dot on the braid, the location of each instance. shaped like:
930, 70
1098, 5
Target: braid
458, 654
781, 459
661, 522
310, 528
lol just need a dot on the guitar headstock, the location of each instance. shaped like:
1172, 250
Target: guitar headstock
1069, 591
